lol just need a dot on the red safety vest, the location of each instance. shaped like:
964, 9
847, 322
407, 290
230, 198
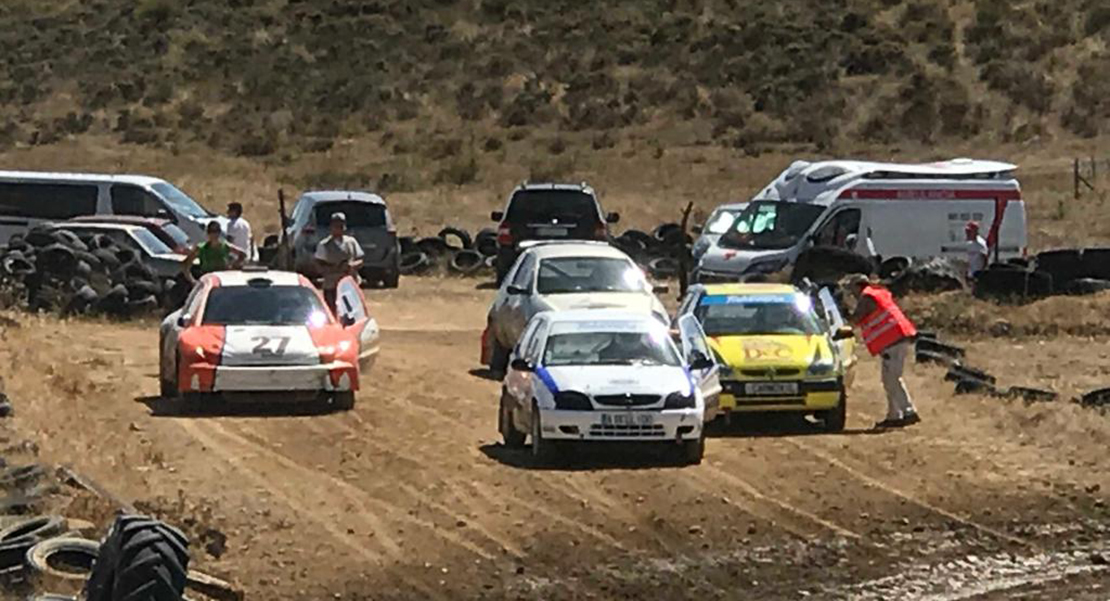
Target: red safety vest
886, 325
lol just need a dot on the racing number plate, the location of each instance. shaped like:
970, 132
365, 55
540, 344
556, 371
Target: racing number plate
627, 419
770, 388
552, 231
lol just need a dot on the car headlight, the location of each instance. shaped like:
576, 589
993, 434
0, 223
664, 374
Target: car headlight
822, 368
680, 400
771, 266
573, 401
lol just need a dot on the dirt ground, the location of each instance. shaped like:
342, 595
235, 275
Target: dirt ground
411, 496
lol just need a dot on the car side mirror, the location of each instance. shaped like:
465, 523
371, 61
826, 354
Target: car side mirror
521, 365
184, 320
700, 361
613, 218
497, 215
660, 289
843, 333
516, 290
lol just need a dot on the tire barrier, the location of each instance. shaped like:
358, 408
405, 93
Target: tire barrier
58, 271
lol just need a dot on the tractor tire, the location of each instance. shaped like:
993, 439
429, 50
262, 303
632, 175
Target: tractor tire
141, 559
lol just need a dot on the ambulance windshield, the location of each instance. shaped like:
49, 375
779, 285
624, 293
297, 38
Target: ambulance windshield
771, 225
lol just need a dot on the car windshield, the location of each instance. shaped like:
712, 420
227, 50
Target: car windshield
180, 200
547, 206
721, 221
771, 225
753, 315
179, 236
359, 214
610, 348
264, 305
150, 242
570, 275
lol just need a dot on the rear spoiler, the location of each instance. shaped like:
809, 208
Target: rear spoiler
534, 243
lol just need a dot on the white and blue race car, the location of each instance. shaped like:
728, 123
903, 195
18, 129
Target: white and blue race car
604, 376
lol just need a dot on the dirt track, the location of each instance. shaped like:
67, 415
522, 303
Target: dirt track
410, 495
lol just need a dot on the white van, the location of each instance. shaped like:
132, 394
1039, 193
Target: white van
914, 211
28, 198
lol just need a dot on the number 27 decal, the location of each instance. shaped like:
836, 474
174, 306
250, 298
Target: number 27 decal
270, 347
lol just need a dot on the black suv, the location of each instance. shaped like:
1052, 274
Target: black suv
548, 212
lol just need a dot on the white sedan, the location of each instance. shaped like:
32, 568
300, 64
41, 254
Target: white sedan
564, 276
606, 376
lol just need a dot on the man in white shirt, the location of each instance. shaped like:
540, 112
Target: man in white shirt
239, 230
977, 251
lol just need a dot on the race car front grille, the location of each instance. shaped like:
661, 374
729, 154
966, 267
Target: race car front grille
771, 373
627, 400
627, 431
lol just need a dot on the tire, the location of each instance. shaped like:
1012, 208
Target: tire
433, 247
1031, 395
663, 268
486, 242
693, 451
466, 262
460, 234
73, 552
1064, 265
36, 528
958, 372
1096, 263
1095, 398
893, 266
1085, 286
20, 476
498, 358
343, 401
513, 438
141, 559
167, 387
392, 278
543, 451
414, 263
836, 418
935, 346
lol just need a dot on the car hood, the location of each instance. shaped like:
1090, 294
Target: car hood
268, 345
718, 259
620, 379
778, 351
629, 301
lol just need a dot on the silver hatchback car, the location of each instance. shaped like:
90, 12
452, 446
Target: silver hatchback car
368, 221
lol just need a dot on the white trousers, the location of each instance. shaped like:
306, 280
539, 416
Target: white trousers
898, 403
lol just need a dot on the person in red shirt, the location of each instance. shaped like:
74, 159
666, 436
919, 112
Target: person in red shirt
888, 333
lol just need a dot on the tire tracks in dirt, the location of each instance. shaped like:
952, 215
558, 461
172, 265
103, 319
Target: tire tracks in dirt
873, 482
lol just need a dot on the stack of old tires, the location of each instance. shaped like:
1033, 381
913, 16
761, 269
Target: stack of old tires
1059, 271
453, 249
658, 252
140, 558
57, 271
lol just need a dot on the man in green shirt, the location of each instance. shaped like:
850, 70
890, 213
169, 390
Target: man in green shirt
215, 254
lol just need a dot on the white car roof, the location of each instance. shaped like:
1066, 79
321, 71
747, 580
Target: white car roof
85, 225
601, 320
47, 176
576, 249
243, 278
336, 195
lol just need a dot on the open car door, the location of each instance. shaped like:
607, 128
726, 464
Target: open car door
351, 309
828, 308
707, 379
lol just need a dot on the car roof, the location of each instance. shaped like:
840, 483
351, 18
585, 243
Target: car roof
748, 289
601, 315
48, 176
581, 187
576, 249
238, 278
338, 195
121, 219
96, 225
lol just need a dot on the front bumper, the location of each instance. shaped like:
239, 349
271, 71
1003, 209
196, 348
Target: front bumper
813, 395
589, 426
338, 376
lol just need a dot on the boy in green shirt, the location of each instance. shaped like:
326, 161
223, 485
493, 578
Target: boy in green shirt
215, 254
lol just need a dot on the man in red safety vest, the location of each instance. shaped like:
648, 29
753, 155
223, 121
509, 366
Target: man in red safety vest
888, 333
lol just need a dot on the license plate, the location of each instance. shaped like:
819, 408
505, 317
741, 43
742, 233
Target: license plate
771, 388
552, 231
627, 419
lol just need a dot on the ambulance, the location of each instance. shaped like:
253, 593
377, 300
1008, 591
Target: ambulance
887, 210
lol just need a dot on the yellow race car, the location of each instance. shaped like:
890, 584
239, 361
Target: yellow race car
780, 349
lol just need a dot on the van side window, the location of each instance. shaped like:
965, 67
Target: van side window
133, 200
47, 201
836, 231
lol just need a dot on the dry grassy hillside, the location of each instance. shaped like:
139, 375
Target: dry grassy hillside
445, 104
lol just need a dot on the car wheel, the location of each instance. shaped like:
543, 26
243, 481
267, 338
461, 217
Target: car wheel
343, 401
693, 450
391, 279
542, 450
498, 358
514, 439
834, 419
167, 387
